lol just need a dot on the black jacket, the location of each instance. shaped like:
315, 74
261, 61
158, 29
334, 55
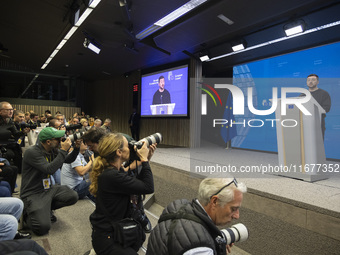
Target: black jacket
177, 236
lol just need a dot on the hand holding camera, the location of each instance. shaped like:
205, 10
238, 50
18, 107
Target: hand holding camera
143, 153
152, 149
150, 141
65, 145
77, 143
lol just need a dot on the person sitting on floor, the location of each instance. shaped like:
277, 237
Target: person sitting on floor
76, 174
10, 212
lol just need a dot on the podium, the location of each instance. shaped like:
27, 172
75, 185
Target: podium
300, 148
160, 109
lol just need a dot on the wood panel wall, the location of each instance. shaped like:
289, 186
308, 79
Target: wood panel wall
40, 109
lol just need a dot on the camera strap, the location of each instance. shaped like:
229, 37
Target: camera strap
220, 243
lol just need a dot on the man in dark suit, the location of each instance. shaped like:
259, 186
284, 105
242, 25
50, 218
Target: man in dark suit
134, 124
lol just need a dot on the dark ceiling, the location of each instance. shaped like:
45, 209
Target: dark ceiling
31, 30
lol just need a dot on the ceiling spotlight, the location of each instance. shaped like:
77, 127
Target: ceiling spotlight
238, 45
295, 27
204, 55
204, 58
92, 45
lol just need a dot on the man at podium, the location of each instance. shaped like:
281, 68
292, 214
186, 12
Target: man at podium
161, 96
321, 96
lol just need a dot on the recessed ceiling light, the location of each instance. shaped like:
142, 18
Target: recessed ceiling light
225, 19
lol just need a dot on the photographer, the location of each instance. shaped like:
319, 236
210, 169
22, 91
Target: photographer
13, 150
18, 118
34, 119
91, 138
6, 113
195, 229
76, 174
37, 192
113, 189
73, 127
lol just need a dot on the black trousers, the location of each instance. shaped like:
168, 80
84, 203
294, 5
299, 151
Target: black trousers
37, 207
103, 244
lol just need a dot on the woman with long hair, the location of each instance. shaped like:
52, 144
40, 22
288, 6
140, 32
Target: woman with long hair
113, 189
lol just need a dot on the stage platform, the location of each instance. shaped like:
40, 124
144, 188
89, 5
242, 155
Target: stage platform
324, 194
284, 215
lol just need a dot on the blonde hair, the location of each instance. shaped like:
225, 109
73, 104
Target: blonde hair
83, 120
107, 148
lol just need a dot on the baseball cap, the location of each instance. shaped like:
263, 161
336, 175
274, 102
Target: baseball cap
128, 138
49, 133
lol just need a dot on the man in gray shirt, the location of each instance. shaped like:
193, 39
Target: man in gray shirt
76, 174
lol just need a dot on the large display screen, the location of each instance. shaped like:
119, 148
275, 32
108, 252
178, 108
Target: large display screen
165, 93
290, 70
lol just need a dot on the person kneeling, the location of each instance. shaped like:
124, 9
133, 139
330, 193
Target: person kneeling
113, 189
37, 192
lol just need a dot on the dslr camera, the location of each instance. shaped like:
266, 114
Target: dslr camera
236, 233
151, 139
73, 127
28, 125
74, 137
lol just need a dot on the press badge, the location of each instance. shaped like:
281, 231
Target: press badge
47, 183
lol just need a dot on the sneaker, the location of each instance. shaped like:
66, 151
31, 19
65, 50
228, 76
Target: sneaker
53, 217
21, 235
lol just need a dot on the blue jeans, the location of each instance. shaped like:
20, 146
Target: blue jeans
10, 212
5, 189
56, 177
83, 190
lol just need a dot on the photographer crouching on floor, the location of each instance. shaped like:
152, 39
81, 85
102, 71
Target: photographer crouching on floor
113, 231
40, 161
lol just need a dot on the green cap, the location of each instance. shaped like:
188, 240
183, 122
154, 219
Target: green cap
49, 133
128, 138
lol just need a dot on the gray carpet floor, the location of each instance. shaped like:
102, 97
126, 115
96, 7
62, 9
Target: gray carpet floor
71, 234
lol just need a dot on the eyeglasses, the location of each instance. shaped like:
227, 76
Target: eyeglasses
233, 181
7, 109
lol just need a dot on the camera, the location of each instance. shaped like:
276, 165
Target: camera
141, 217
236, 233
151, 139
27, 125
74, 137
73, 127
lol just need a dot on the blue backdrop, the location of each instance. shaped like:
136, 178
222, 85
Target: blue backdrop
290, 70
